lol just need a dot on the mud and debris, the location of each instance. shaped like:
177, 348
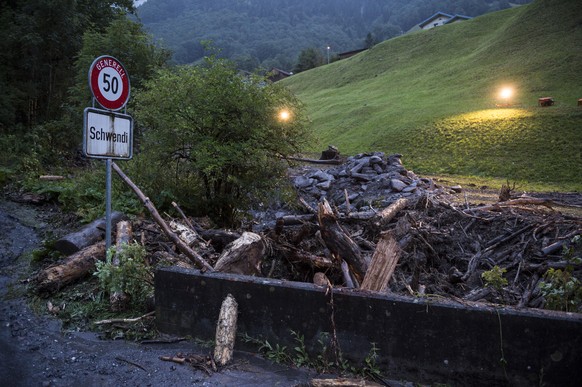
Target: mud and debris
38, 349
450, 246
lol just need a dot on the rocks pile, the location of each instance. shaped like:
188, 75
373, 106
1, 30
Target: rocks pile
368, 181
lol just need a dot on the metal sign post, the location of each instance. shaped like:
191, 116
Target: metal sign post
106, 134
107, 204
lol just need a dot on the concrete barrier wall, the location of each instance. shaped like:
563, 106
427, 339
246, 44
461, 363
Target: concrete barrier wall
421, 340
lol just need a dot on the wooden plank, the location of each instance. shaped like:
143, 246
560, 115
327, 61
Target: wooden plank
383, 264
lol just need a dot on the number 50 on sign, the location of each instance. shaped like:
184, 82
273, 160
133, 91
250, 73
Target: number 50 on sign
109, 82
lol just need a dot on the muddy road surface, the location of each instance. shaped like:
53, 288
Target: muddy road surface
36, 351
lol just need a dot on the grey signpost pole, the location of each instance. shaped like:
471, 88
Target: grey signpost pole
107, 204
109, 84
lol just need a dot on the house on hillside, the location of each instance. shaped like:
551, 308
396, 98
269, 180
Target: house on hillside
276, 74
347, 54
439, 19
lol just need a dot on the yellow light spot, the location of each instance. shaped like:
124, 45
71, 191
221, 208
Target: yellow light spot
506, 92
284, 115
481, 116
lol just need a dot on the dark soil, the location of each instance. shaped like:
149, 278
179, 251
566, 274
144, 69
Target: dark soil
35, 349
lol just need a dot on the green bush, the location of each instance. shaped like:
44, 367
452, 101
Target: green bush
132, 276
560, 288
213, 138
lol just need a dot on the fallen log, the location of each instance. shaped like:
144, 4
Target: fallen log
243, 256
289, 220
295, 255
348, 278
388, 213
313, 161
184, 248
75, 267
185, 233
86, 236
219, 239
339, 243
343, 382
383, 264
362, 215
515, 202
51, 177
226, 331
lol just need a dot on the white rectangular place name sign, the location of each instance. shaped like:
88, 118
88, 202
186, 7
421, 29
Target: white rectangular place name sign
107, 135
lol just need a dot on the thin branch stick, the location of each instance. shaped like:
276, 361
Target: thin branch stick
185, 249
164, 341
515, 202
124, 320
119, 358
312, 161
174, 359
183, 216
348, 206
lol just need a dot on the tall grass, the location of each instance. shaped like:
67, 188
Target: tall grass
432, 96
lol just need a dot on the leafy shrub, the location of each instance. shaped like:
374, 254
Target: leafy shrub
560, 288
132, 276
214, 139
494, 278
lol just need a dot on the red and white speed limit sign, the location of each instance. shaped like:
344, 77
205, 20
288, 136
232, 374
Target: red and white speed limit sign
109, 82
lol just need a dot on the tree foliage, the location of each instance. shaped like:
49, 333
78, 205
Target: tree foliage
274, 32
40, 40
308, 59
217, 135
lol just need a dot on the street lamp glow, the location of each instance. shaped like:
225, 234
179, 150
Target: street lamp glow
284, 115
506, 93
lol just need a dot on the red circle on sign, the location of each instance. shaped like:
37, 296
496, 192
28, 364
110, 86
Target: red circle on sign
109, 82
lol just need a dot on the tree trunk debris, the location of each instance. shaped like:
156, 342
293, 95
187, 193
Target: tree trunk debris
226, 331
369, 221
86, 236
343, 382
383, 264
119, 300
339, 243
73, 268
243, 256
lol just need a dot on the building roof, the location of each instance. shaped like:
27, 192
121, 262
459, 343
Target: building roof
279, 71
435, 16
457, 18
347, 54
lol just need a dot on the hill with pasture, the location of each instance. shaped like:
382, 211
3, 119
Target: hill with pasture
433, 97
267, 33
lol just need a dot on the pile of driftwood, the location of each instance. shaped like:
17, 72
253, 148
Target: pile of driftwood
413, 241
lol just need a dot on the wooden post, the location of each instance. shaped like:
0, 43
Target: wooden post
226, 331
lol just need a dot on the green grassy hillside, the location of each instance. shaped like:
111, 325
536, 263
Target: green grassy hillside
432, 96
